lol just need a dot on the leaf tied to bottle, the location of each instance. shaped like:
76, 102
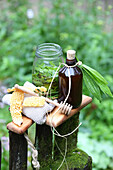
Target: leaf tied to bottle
95, 82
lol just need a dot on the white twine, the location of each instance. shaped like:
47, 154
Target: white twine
35, 162
52, 128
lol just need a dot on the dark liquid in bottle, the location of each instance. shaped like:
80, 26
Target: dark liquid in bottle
75, 96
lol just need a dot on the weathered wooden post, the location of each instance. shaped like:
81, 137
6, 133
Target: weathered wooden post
17, 152
44, 141
18, 144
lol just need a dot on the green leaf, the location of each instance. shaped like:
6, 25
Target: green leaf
91, 85
105, 89
101, 84
96, 74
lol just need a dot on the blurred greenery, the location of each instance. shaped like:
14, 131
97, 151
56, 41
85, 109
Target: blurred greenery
84, 25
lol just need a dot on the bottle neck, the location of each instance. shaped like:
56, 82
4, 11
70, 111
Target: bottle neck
71, 62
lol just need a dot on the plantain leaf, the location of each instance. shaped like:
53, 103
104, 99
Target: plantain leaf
101, 84
95, 74
91, 85
105, 89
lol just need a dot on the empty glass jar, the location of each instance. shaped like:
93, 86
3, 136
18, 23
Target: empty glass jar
47, 59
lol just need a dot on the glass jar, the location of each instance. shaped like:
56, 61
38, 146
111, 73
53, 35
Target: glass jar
47, 59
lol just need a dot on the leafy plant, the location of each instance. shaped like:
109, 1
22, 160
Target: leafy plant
101, 151
43, 74
95, 82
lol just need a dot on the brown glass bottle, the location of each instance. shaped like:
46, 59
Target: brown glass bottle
75, 96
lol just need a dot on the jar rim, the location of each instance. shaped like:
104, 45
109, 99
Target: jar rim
55, 48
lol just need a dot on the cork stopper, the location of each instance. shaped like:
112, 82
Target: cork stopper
71, 54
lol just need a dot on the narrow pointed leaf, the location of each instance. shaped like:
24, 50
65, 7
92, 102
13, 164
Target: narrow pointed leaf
96, 74
91, 85
104, 88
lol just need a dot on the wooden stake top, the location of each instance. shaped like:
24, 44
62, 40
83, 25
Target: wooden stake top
53, 119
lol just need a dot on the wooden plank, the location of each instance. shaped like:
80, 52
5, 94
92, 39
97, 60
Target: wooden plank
20, 129
56, 119
53, 119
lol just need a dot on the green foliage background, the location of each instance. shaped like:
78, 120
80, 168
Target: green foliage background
84, 25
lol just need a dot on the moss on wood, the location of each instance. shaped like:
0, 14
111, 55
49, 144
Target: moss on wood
76, 160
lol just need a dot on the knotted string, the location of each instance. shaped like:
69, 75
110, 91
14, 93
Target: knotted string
54, 131
34, 153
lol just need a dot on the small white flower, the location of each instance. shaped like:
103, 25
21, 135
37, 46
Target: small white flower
30, 13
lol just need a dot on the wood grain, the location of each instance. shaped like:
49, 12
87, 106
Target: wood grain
20, 129
56, 119
53, 119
